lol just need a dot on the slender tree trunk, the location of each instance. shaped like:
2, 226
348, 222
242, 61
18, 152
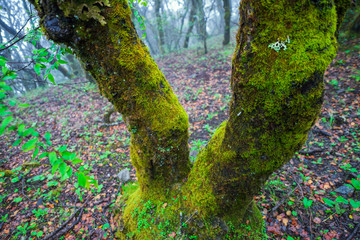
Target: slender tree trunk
160, 26
277, 96
355, 26
182, 20
221, 11
191, 23
227, 18
201, 23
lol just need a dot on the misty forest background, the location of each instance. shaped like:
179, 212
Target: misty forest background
314, 196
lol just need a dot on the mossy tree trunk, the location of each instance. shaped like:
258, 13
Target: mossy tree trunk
277, 96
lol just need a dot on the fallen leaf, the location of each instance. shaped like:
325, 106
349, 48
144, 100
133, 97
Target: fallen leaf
285, 221
317, 220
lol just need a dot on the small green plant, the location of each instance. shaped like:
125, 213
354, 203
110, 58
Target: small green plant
307, 202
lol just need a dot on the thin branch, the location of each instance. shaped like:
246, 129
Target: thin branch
18, 40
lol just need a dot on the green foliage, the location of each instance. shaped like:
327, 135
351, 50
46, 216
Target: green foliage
139, 18
62, 161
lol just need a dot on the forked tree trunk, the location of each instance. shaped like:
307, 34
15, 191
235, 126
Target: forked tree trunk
277, 96
227, 19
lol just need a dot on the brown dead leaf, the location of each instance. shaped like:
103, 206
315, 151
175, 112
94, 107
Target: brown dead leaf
275, 230
317, 220
164, 205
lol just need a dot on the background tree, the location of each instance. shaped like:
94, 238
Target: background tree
227, 20
277, 95
159, 23
191, 23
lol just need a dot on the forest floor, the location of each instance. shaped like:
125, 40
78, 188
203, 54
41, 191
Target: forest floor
315, 196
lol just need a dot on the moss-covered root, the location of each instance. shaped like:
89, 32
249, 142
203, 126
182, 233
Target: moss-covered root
173, 216
103, 36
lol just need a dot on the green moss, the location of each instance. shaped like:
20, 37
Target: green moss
159, 216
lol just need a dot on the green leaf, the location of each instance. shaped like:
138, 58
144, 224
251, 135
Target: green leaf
87, 185
24, 105
44, 154
341, 200
62, 148
307, 202
14, 180
29, 144
18, 199
76, 161
62, 168
54, 168
354, 204
62, 62
39, 234
12, 103
42, 59
36, 152
47, 136
6, 88
68, 50
82, 179
17, 142
329, 202
96, 183
52, 183
27, 132
51, 78
105, 226
69, 172
21, 128
37, 68
5, 123
68, 155
52, 158
355, 183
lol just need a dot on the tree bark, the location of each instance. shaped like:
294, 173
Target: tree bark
277, 96
227, 19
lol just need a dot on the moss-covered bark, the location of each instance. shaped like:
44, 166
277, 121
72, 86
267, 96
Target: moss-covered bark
103, 36
283, 48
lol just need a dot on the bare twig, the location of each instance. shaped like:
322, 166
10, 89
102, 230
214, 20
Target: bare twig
354, 232
284, 199
70, 227
54, 233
